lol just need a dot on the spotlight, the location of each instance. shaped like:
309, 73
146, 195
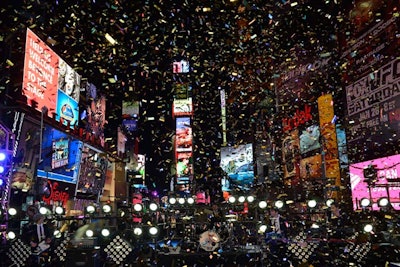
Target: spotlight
365, 202
368, 228
90, 209
138, 231
153, 230
262, 228
181, 200
190, 200
329, 202
106, 208
262, 204
153, 206
172, 200
105, 232
137, 207
44, 210
2, 156
12, 211
59, 210
383, 202
57, 234
312, 203
232, 199
89, 233
279, 204
11, 235
250, 199
241, 199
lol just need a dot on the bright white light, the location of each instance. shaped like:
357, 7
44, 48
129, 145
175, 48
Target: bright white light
262, 204
365, 202
11, 235
138, 207
231, 199
153, 230
241, 199
153, 206
57, 234
90, 209
43, 210
12, 211
279, 204
105, 232
3, 156
190, 200
138, 231
172, 200
262, 228
315, 226
329, 202
368, 228
250, 199
383, 202
106, 208
59, 210
1, 169
181, 200
312, 203
89, 233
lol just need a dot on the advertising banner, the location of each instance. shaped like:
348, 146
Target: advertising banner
387, 183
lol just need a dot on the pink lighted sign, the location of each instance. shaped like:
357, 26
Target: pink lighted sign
388, 170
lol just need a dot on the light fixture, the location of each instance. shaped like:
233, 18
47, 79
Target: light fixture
279, 204
181, 200
172, 200
106, 208
90, 209
89, 233
43, 210
137, 207
11, 235
383, 202
138, 231
262, 228
312, 203
3, 156
153, 206
57, 234
368, 228
365, 202
153, 230
12, 211
329, 202
241, 199
232, 199
105, 232
262, 204
250, 199
190, 200
59, 210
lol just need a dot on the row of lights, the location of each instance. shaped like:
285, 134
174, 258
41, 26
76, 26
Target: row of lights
382, 202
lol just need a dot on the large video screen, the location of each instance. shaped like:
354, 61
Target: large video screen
184, 137
60, 156
237, 162
49, 82
386, 185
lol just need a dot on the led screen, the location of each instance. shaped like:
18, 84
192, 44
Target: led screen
309, 139
182, 107
181, 66
184, 138
60, 156
386, 185
237, 162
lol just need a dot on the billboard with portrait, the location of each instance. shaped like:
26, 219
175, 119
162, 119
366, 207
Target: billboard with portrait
386, 184
184, 137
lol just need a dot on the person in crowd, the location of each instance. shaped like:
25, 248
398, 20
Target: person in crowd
276, 237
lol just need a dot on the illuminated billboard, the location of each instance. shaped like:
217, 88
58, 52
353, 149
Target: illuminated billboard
182, 107
386, 184
60, 156
184, 137
237, 162
181, 66
49, 82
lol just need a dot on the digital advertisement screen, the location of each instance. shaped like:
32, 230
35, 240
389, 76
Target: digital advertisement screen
48, 80
96, 117
181, 66
184, 138
310, 139
388, 170
130, 109
182, 107
184, 170
237, 163
60, 157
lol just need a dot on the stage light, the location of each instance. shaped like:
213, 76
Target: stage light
1, 171
232, 199
368, 228
365, 202
57, 234
329, 202
105, 232
262, 228
181, 200
190, 200
250, 199
106, 208
172, 200
153, 206
89, 233
137, 207
59, 210
241, 199
279, 204
312, 203
262, 204
12, 211
90, 209
138, 231
3, 156
44, 210
153, 230
383, 202
11, 235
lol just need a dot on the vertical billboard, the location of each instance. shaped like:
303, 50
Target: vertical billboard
387, 183
49, 83
237, 163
